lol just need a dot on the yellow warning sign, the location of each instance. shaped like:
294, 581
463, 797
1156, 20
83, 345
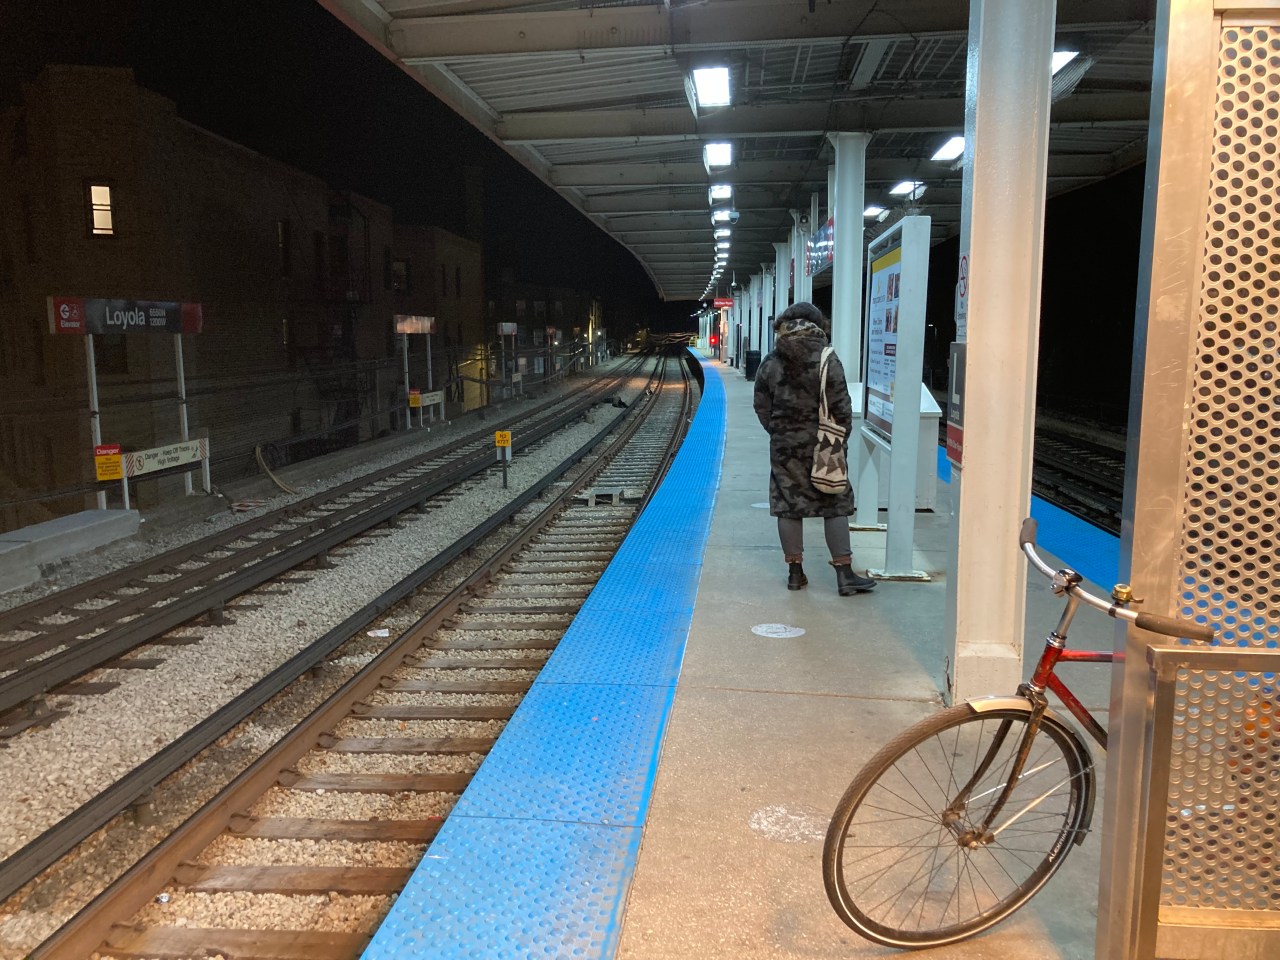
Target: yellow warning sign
108, 462
502, 438
415, 399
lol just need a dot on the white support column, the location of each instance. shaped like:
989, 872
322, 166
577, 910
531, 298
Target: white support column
766, 320
797, 258
781, 278
831, 190
1006, 151
846, 267
757, 311
735, 328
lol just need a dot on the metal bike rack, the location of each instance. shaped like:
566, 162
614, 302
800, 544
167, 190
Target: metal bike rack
1209, 861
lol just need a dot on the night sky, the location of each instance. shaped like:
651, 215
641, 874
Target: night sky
286, 78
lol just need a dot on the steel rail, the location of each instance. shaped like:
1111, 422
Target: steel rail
83, 656
84, 932
54, 843
13, 618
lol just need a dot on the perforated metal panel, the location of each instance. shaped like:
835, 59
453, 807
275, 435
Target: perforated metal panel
1224, 789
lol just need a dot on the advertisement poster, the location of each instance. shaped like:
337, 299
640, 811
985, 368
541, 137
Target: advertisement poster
882, 339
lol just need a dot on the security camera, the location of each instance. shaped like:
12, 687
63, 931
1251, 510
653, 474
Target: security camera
733, 216
804, 219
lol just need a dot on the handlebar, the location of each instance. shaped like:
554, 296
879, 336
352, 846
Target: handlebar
1069, 582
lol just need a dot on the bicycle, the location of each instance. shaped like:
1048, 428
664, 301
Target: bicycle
963, 817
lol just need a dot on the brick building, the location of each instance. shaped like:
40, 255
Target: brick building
438, 274
106, 192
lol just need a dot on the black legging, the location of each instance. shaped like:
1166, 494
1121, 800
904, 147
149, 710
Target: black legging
835, 529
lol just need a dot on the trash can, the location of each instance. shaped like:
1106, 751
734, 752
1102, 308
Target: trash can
751, 364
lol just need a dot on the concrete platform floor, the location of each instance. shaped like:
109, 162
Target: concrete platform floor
766, 733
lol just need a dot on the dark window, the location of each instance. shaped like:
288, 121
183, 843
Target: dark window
520, 311
401, 276
99, 206
28, 229
387, 282
19, 139
317, 241
457, 281
285, 247
444, 281
339, 259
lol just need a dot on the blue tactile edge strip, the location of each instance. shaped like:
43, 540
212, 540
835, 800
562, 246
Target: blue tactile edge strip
1079, 544
537, 856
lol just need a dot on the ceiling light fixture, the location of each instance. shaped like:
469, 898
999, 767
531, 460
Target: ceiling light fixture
719, 192
1062, 57
721, 233
914, 187
717, 155
950, 150
712, 86
873, 211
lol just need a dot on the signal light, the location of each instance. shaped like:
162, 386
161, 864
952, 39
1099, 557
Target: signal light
714, 339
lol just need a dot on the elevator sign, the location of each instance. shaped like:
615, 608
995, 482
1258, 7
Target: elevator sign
85, 315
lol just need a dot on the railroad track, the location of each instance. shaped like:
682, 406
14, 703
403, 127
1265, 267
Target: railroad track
51, 642
389, 751
1085, 479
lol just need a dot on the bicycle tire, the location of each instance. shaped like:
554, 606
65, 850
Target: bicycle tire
927, 907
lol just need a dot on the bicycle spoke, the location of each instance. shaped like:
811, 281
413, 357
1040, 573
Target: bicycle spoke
910, 865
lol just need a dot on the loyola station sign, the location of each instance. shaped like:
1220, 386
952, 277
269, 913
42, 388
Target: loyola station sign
84, 315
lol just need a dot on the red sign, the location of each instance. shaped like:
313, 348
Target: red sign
107, 450
82, 315
722, 302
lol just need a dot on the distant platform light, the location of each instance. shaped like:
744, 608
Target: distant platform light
950, 150
719, 191
873, 211
712, 86
721, 233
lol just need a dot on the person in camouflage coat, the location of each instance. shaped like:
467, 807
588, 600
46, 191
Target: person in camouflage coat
786, 403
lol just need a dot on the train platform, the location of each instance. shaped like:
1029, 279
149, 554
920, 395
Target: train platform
664, 789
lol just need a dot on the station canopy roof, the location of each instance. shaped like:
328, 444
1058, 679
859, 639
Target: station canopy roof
597, 99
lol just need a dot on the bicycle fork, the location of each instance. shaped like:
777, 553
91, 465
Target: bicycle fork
1033, 691
952, 815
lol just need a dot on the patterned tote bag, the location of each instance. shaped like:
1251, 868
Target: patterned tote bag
830, 473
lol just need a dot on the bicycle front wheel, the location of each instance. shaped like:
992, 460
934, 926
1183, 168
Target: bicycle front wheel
906, 861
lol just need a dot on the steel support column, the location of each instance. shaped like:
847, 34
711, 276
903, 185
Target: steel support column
1007, 138
846, 265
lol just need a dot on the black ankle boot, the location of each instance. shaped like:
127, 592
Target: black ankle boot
848, 582
796, 580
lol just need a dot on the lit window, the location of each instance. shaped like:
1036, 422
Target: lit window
101, 224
